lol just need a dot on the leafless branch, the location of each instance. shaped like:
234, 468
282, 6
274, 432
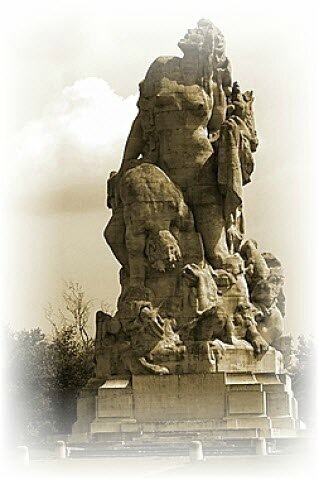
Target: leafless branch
79, 309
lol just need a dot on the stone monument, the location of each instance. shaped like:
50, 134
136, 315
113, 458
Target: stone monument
197, 341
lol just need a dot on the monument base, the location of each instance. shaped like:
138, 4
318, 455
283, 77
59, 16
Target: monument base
241, 400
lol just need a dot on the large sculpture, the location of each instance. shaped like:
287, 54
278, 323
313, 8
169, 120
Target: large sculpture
197, 338
177, 225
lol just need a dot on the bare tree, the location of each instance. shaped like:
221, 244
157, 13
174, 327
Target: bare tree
78, 312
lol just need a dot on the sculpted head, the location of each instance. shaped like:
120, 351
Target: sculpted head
220, 315
265, 292
162, 250
248, 249
205, 37
213, 322
246, 310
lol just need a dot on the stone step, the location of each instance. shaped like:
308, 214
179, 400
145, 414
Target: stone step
175, 446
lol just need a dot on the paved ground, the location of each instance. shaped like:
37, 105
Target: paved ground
158, 468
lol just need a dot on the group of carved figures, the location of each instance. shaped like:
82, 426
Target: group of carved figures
177, 225
144, 338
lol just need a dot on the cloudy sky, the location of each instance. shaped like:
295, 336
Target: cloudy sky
69, 85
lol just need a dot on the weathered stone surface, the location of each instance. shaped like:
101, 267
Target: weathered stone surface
115, 399
230, 405
197, 338
177, 213
171, 398
239, 359
177, 225
244, 402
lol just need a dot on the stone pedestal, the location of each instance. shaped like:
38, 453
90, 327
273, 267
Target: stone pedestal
247, 398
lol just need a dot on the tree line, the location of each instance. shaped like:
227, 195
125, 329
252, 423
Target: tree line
45, 373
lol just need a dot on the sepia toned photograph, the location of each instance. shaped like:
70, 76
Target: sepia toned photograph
159, 240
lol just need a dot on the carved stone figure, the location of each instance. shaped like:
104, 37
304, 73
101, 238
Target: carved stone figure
177, 225
232, 283
246, 327
270, 322
214, 324
169, 344
178, 111
162, 250
203, 293
277, 272
256, 267
153, 208
152, 340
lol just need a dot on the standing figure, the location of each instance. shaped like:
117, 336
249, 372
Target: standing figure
187, 126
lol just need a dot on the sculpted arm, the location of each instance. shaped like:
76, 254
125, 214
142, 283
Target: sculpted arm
134, 144
219, 107
253, 336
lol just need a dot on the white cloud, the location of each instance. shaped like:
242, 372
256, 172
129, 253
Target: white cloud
79, 139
